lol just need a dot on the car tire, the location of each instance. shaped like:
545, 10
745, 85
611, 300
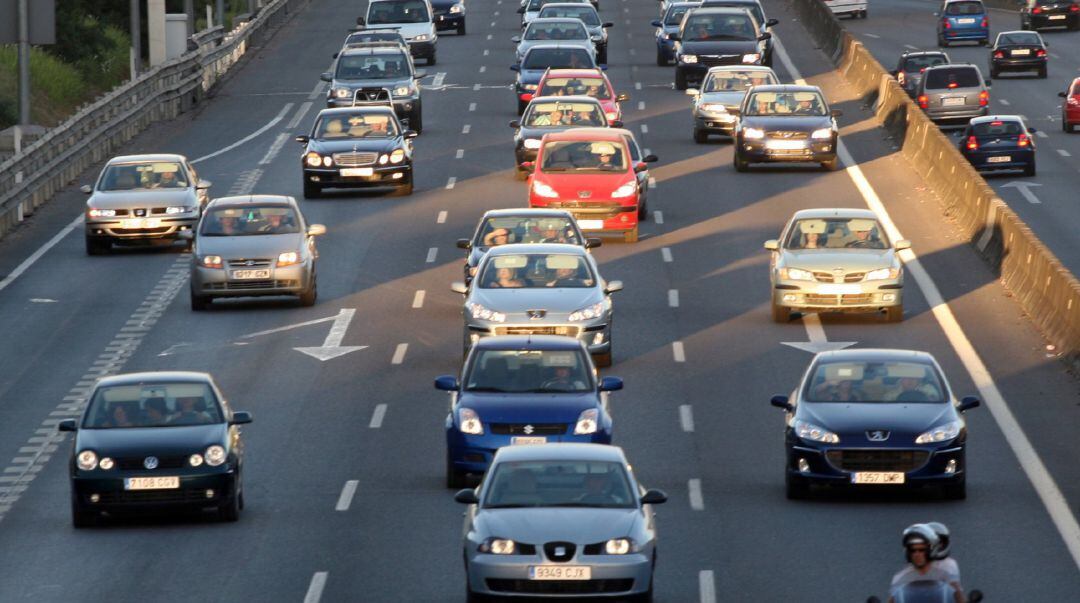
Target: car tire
631, 236
98, 246
864, 14
661, 60
956, 491
680, 79
781, 314
461, 29
431, 60
1029, 171
1074, 26
984, 42
601, 56
455, 480
405, 189
416, 120
230, 511
602, 360
795, 488
700, 136
740, 164
1024, 26
830, 165
994, 73
312, 190
643, 211
942, 43
80, 517
1042, 72
894, 314
308, 297
199, 303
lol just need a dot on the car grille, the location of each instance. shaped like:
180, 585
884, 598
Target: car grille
355, 159
371, 97
551, 550
245, 263
541, 429
829, 277
131, 463
248, 285
877, 459
858, 299
786, 135
562, 587
538, 330
180, 495
710, 60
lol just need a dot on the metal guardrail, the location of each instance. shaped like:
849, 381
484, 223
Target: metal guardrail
98, 129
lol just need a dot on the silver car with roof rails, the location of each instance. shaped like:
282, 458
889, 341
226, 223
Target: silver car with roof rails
717, 101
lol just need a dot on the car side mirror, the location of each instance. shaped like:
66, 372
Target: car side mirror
593, 243
515, 68
186, 235
67, 425
611, 384
86, 188
240, 417
326, 76
521, 10
409, 134
467, 497
360, 21
527, 165
837, 113
1032, 130
764, 36
515, 39
640, 166
613, 287
464, 244
772, 245
902, 244
420, 74
968, 403
772, 22
656, 23
303, 139
692, 92
622, 98
1060, 94
459, 287
607, 25
446, 383
989, 82
975, 596
515, 123
650, 158
781, 402
203, 185
335, 55
603, 67
316, 230
615, 123
654, 497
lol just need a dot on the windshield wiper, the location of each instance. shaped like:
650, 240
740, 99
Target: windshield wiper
510, 506
488, 389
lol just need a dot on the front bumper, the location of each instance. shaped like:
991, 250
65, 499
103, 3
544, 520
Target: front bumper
1017, 159
718, 123
381, 176
761, 151
121, 229
422, 50
195, 492
595, 334
473, 453
811, 296
508, 575
217, 282
449, 21
598, 217
837, 466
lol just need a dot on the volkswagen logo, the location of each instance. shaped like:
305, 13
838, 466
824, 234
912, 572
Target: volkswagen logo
536, 314
878, 435
528, 429
150, 462
584, 194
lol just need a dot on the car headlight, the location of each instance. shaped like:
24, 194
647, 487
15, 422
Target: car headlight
753, 57
822, 134
941, 433
313, 159
211, 261
498, 546
403, 91
420, 38
327, 161
101, 213
753, 133
397, 156
106, 463
596, 37
288, 258
342, 92
611, 115
529, 87
587, 422
179, 210
882, 274
87, 460
713, 107
809, 431
195, 460
688, 58
625, 190
619, 546
455, 9
215, 455
470, 422
479, 311
384, 159
531, 143
544, 190
588, 313
796, 274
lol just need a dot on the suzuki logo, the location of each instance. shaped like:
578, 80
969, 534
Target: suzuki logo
528, 429
536, 314
150, 462
140, 212
877, 435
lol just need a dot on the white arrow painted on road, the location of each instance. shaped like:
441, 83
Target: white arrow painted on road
816, 334
1025, 190
331, 347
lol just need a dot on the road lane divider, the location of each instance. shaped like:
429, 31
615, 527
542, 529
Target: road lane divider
418, 299
399, 353
270, 124
686, 417
678, 352
707, 586
378, 415
315, 588
348, 491
697, 499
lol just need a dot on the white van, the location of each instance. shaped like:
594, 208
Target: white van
855, 8
413, 18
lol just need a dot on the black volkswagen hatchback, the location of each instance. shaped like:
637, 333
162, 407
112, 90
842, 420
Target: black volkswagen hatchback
875, 419
156, 441
716, 36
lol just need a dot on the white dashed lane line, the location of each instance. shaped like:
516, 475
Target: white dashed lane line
483, 68
637, 85
707, 586
641, 105
1063, 153
697, 500
442, 217
489, 36
677, 351
399, 353
418, 299
1003, 101
658, 216
314, 591
459, 154
467, 127
673, 298
665, 252
317, 91
644, 128
431, 253
380, 413
472, 106
451, 182
347, 494
686, 417
486, 52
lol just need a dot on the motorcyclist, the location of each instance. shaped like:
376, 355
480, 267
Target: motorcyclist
940, 555
919, 541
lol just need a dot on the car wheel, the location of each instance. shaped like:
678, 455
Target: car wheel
740, 164
602, 360
1029, 171
80, 517
700, 136
601, 56
230, 510
865, 14
199, 303
1042, 72
1074, 26
956, 491
661, 60
796, 488
98, 246
312, 190
781, 314
461, 29
941, 42
830, 165
307, 298
405, 189
680, 79
416, 121
455, 479
1024, 26
894, 313
631, 236
994, 73
984, 42
643, 211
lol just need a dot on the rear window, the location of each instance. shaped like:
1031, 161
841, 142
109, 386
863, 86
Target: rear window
997, 128
958, 77
918, 63
559, 30
556, 58
1020, 38
586, 13
675, 15
964, 8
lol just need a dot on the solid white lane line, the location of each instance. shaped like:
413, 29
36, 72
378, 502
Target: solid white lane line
465, 129
300, 113
314, 591
275, 148
641, 105
442, 217
697, 500
399, 353
658, 216
418, 299
910, 47
673, 298
347, 493
472, 106
451, 182
686, 417
317, 90
678, 352
1063, 153
431, 253
270, 124
34, 257
459, 154
870, 35
707, 586
665, 252
378, 415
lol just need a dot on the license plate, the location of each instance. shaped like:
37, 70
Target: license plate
590, 224
965, 21
839, 289
352, 172
241, 275
877, 477
999, 159
141, 223
785, 145
1056, 17
953, 101
1022, 52
524, 440
560, 572
152, 483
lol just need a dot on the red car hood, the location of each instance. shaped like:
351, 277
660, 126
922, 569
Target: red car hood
600, 185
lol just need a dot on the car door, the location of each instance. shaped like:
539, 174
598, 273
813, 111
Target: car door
635, 158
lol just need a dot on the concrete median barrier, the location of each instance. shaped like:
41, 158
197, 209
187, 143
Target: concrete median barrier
1047, 291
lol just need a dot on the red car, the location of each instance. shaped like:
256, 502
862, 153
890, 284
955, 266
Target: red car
590, 173
1070, 109
583, 82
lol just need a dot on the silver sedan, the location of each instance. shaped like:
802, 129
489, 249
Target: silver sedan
560, 520
540, 289
545, 31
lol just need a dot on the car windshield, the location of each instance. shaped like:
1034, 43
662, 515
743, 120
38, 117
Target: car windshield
587, 14
753, 7
582, 156
1019, 38
380, 66
675, 14
398, 11
737, 81
918, 63
537, 271
575, 86
952, 77
997, 128
371, 36
526, 229
535, 5
699, 28
786, 103
565, 114
599, 484
529, 371
836, 233
854, 381
356, 125
559, 30
143, 175
557, 58
152, 405
249, 220
964, 8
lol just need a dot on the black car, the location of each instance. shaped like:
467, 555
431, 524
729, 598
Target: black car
758, 13
156, 441
377, 74
875, 419
449, 14
785, 123
547, 114
999, 142
357, 147
1018, 51
913, 64
716, 36
1039, 14
539, 59
531, 225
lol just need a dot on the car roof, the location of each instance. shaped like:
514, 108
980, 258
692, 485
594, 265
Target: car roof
954, 1
564, 99
834, 212
147, 157
548, 248
553, 20
527, 211
623, 131
952, 65
762, 68
590, 134
918, 53
252, 200
373, 48
533, 342
562, 452
989, 118
574, 72
787, 88
875, 355
563, 4
155, 376
720, 10
557, 45
354, 110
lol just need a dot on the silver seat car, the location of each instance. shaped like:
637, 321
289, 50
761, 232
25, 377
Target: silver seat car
254, 245
544, 31
836, 260
540, 289
142, 198
560, 520
717, 102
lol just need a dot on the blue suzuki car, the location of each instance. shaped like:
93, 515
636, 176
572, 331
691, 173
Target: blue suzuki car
665, 46
522, 390
963, 21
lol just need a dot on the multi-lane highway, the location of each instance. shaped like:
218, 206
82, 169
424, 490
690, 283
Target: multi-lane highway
344, 470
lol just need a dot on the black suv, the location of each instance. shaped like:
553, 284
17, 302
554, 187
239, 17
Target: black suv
716, 36
1039, 14
377, 75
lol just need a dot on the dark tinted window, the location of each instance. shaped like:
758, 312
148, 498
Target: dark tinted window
753, 7
1020, 38
529, 371
372, 66
398, 11
997, 128
964, 8
152, 405
718, 27
856, 381
957, 77
586, 13
249, 220
560, 484
918, 63
566, 58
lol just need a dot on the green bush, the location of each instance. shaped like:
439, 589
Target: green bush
56, 87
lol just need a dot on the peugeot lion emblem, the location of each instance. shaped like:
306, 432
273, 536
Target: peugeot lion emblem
528, 429
536, 314
878, 435
584, 194
150, 462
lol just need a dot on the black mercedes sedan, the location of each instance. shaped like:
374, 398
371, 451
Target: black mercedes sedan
715, 36
449, 14
785, 123
875, 419
1018, 51
357, 147
156, 441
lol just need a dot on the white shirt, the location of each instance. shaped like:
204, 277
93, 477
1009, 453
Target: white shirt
945, 570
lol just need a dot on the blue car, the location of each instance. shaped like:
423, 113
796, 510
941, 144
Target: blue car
522, 390
963, 21
999, 142
665, 46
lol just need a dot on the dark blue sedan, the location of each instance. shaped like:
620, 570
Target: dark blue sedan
875, 419
522, 390
665, 46
999, 142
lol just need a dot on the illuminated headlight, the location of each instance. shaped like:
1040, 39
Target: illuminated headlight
588, 313
313, 159
882, 274
611, 115
809, 431
178, 210
713, 108
625, 190
327, 161
470, 422
498, 546
688, 58
531, 143
479, 311
342, 92
753, 133
544, 190
288, 258
101, 213
195, 460
665, 36
403, 91
796, 274
455, 9
822, 134
397, 156
87, 460
941, 433
384, 159
106, 463
751, 58
420, 38
619, 546
597, 37
215, 455
587, 422
529, 86
211, 261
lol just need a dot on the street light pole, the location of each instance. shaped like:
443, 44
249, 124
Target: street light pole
189, 10
24, 62
136, 38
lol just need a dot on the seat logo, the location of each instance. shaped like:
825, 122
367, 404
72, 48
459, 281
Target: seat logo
150, 462
528, 429
878, 435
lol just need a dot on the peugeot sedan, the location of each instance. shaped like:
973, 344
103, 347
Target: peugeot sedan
520, 225
716, 103
560, 520
709, 37
156, 441
875, 419
785, 124
1018, 51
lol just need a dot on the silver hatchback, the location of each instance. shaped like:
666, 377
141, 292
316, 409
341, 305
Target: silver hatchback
953, 92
